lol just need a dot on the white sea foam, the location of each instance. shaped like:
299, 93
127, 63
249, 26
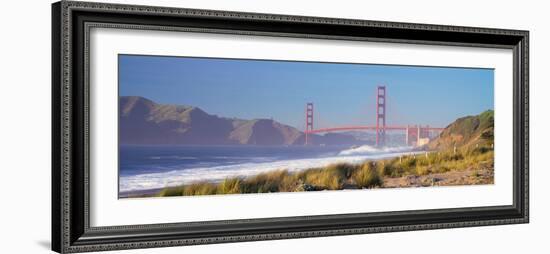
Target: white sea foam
369, 150
218, 173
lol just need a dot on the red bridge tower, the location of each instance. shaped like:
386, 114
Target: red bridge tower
381, 116
309, 121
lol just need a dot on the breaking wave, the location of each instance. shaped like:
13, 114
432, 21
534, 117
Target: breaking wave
369, 150
219, 173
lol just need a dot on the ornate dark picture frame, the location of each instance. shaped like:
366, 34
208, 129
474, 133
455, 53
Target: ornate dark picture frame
71, 22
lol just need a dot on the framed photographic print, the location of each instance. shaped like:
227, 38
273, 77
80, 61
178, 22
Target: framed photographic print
181, 126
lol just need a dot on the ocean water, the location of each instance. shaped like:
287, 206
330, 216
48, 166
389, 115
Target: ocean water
152, 167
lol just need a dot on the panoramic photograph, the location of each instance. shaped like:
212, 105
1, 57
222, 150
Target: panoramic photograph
190, 126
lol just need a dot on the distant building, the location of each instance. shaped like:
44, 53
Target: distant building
422, 141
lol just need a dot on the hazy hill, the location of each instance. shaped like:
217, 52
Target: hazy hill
264, 132
467, 131
143, 121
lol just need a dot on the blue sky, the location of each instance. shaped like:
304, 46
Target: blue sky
343, 94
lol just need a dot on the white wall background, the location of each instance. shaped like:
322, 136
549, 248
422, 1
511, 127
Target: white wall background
25, 125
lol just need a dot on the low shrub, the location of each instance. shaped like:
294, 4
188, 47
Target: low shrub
265, 182
171, 192
202, 188
367, 176
331, 178
229, 186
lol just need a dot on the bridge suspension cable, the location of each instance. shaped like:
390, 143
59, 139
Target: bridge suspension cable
411, 131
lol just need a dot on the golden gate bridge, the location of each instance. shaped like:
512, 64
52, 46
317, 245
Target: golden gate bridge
415, 135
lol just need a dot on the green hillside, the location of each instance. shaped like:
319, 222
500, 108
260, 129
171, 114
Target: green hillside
467, 132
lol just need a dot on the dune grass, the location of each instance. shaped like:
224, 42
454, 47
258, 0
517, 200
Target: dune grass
369, 174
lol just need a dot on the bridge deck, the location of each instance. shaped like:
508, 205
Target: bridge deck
352, 128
